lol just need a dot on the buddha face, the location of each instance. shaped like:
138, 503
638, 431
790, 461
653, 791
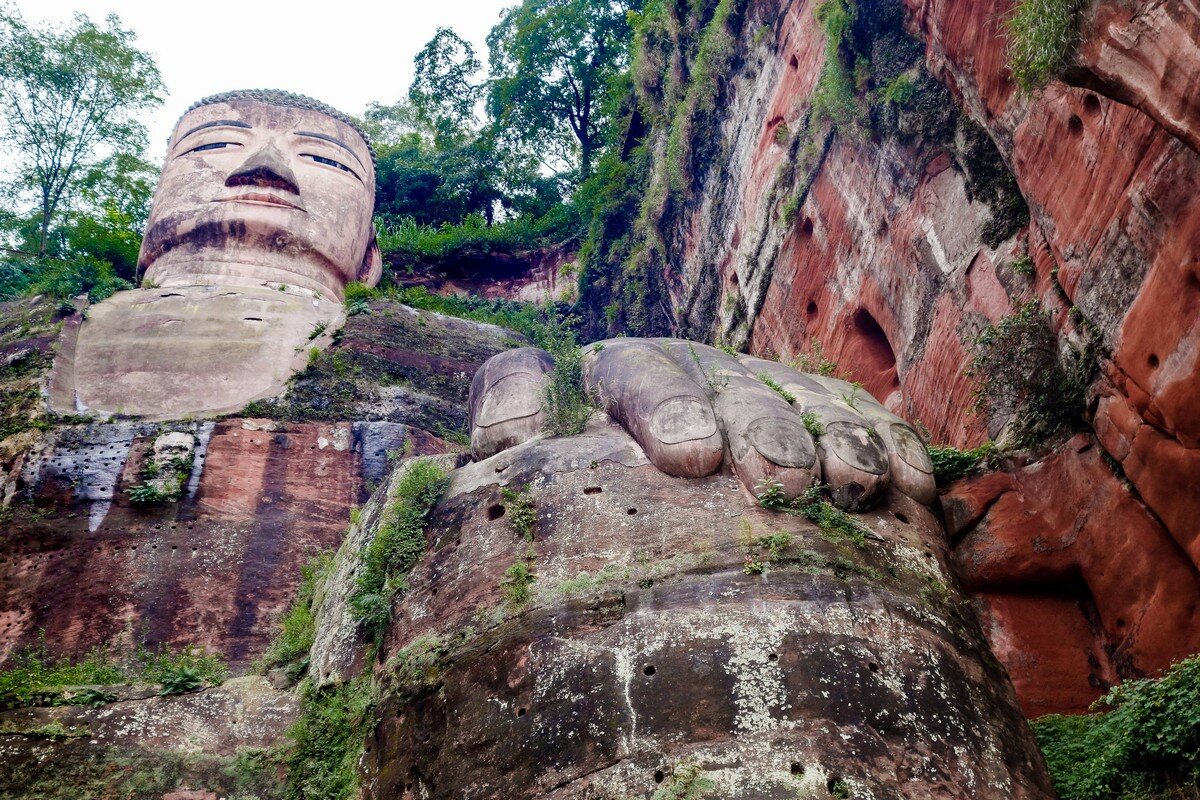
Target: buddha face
254, 193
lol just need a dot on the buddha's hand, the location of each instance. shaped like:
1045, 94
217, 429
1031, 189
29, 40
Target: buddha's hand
688, 405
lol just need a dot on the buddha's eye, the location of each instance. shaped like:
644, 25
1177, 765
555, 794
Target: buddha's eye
211, 146
329, 162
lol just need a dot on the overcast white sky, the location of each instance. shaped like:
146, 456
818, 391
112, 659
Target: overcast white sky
346, 53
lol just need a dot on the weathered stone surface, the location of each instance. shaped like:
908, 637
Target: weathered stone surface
395, 364
882, 259
188, 350
338, 650
1079, 584
176, 747
87, 567
507, 398
647, 646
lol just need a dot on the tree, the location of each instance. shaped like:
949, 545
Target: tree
553, 65
68, 100
443, 92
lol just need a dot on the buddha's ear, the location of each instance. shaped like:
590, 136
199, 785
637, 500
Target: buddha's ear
371, 269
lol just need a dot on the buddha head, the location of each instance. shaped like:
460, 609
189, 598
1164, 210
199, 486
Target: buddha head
264, 187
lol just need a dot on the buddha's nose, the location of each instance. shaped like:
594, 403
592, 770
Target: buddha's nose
266, 167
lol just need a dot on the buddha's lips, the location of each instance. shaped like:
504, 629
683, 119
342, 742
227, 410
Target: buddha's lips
258, 198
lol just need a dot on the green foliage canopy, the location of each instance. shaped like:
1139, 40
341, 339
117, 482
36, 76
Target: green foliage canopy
68, 100
553, 67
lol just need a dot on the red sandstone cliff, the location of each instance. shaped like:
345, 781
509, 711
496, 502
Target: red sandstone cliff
1084, 561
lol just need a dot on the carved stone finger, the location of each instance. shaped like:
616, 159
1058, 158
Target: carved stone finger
908, 459
853, 455
668, 414
506, 400
766, 437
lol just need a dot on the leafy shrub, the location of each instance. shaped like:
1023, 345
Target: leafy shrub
1021, 374
812, 423
1145, 747
815, 361
1022, 265
181, 680
35, 677
145, 494
950, 463
835, 524
1042, 35
900, 90
298, 628
328, 740
397, 545
521, 511
403, 240
835, 96
567, 405
515, 586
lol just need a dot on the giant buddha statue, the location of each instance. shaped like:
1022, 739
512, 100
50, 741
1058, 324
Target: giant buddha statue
262, 215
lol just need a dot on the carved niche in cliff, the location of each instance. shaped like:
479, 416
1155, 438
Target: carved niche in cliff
262, 215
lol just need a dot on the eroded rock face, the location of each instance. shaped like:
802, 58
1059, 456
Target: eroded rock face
216, 565
889, 258
147, 746
664, 639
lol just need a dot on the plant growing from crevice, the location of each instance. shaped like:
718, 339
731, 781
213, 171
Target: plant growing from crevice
775, 386
521, 510
814, 361
182, 680
567, 403
35, 677
1042, 37
1022, 374
812, 424
297, 627
835, 524
1022, 265
516, 584
328, 739
397, 545
951, 464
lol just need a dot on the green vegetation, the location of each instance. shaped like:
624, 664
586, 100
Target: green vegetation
35, 677
773, 384
835, 524
1145, 746
568, 405
181, 680
298, 627
396, 547
515, 586
762, 550
835, 97
74, 210
328, 740
1021, 374
812, 423
408, 243
1022, 265
814, 361
687, 782
1042, 36
521, 510
950, 463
